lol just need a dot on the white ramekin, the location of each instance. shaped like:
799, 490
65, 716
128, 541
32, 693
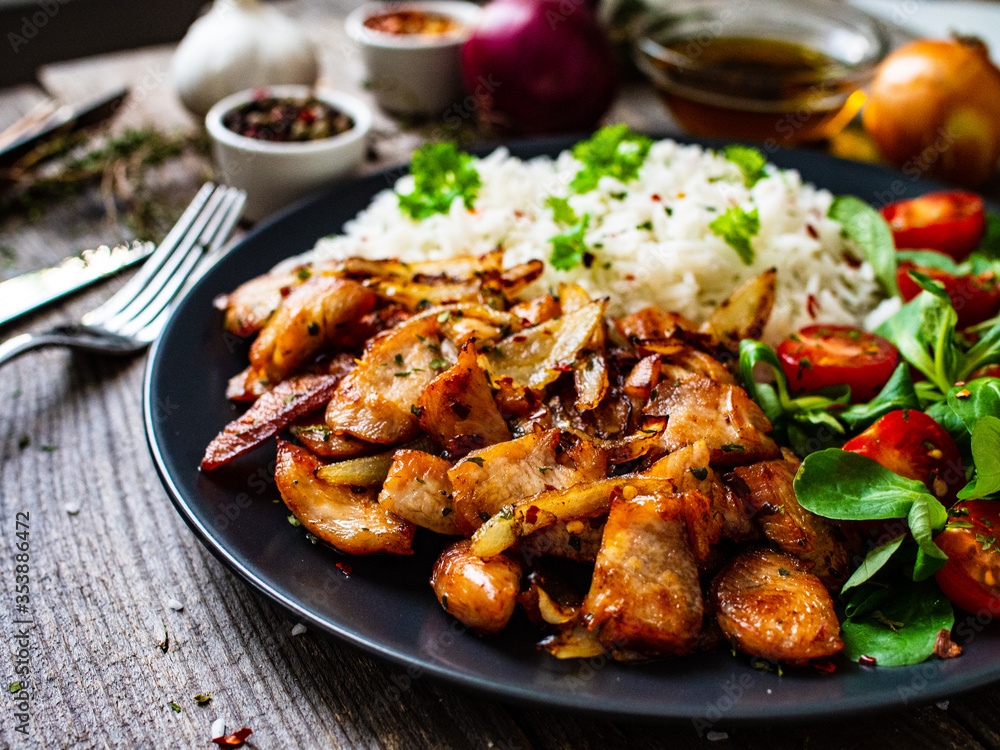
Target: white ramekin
275, 174
413, 74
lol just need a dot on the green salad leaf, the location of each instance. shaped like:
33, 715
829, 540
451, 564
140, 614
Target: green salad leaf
924, 332
873, 562
986, 455
865, 226
895, 624
896, 394
441, 173
615, 151
749, 159
737, 227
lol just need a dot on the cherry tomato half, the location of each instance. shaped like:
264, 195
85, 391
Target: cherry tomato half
971, 577
914, 446
818, 356
974, 297
951, 222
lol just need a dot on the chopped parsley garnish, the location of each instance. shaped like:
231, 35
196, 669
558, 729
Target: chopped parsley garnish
438, 363
304, 273
313, 328
444, 317
737, 227
402, 374
174, 707
475, 460
749, 159
441, 173
561, 210
614, 151
731, 448
24, 441
202, 698
398, 359
294, 521
783, 572
569, 248
700, 474
647, 225
15, 687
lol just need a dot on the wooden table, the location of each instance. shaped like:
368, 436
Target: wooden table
108, 552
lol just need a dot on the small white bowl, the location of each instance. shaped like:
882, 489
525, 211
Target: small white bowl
416, 74
274, 174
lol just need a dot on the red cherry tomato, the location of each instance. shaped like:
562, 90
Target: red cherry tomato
914, 446
818, 356
971, 577
974, 297
952, 223
986, 371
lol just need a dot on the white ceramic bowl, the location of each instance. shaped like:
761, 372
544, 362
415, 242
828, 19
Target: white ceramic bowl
417, 74
275, 174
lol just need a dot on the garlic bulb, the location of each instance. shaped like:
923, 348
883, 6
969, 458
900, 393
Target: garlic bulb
239, 44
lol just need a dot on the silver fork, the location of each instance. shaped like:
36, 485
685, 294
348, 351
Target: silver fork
132, 319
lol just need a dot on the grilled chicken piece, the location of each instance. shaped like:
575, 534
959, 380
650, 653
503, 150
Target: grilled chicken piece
458, 410
687, 362
479, 593
770, 606
506, 473
655, 331
577, 540
724, 416
312, 318
316, 435
417, 490
350, 520
378, 400
643, 378
767, 493
249, 306
270, 414
645, 596
689, 470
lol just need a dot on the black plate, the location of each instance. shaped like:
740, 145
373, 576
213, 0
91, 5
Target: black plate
386, 606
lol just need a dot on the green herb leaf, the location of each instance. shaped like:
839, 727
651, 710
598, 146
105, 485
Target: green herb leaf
15, 687
202, 698
562, 212
737, 228
873, 562
927, 516
749, 159
930, 259
441, 174
174, 707
986, 456
438, 363
990, 245
869, 231
615, 151
294, 521
897, 625
475, 460
568, 248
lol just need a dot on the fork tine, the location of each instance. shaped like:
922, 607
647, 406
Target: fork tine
128, 292
216, 252
163, 275
214, 234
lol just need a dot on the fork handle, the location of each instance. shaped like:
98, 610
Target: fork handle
77, 336
19, 344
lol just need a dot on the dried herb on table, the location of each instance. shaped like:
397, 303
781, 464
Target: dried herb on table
117, 165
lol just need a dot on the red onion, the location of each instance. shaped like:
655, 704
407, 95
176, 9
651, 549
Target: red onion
540, 66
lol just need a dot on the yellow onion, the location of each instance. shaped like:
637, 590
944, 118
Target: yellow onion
934, 109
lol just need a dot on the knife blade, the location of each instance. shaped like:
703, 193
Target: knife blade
29, 291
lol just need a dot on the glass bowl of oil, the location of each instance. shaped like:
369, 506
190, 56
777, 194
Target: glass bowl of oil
778, 71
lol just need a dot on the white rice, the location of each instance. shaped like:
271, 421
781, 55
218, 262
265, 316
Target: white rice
679, 264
